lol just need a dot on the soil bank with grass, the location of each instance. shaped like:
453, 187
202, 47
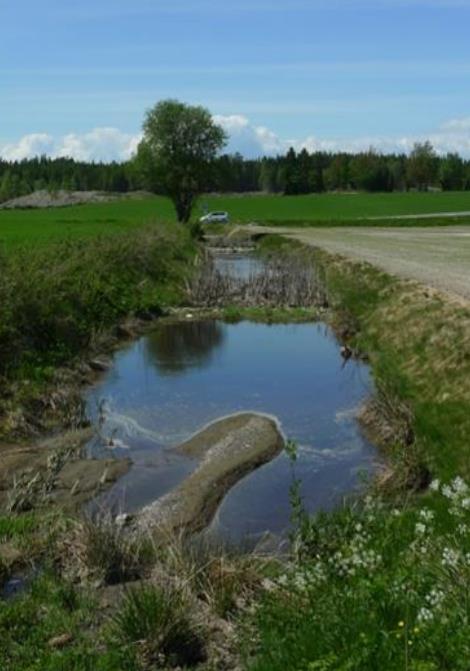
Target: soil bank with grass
381, 583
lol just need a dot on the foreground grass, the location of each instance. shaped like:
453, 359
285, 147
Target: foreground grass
373, 587
385, 583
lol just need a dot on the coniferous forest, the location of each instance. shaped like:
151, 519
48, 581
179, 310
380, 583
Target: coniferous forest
291, 174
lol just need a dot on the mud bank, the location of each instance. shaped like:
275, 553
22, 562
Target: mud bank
54, 471
227, 450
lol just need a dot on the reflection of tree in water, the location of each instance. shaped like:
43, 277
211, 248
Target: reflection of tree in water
173, 348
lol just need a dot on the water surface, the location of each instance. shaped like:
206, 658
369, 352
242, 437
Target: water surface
172, 382
241, 265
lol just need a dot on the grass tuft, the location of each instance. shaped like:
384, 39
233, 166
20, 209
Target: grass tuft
154, 622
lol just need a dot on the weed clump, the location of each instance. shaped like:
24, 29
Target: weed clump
100, 549
155, 623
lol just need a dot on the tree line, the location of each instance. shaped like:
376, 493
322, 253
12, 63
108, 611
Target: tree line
294, 173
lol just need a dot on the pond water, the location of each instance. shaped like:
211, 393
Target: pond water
175, 380
243, 265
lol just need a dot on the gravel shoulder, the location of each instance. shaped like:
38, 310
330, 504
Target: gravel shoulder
435, 256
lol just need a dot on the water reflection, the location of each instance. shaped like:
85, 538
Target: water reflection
191, 345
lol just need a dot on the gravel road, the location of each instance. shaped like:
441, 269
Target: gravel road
436, 256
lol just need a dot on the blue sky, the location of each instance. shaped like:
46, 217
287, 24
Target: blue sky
76, 77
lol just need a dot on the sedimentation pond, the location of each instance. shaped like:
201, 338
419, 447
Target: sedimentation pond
175, 380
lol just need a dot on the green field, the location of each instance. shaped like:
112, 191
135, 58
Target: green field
103, 218
335, 206
81, 220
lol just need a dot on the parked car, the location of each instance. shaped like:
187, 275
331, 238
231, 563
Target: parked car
215, 218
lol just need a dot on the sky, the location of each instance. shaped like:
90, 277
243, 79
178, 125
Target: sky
76, 76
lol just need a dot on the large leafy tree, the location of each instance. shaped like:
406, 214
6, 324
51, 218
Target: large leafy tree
422, 166
177, 152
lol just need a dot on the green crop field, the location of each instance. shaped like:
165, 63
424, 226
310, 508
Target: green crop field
23, 226
104, 218
336, 206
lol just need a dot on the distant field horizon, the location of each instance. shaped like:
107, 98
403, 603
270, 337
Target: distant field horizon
33, 225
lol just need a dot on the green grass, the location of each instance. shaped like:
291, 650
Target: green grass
269, 315
384, 583
335, 207
83, 221
372, 587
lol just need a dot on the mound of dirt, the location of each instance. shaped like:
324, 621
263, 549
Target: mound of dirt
227, 450
43, 199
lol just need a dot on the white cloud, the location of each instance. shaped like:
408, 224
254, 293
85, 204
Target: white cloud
100, 144
247, 139
253, 141
111, 144
34, 144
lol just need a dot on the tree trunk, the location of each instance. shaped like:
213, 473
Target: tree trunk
183, 204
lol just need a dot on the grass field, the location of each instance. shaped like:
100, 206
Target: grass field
332, 206
81, 221
104, 218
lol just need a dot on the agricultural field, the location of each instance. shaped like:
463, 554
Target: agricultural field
23, 226
81, 221
336, 206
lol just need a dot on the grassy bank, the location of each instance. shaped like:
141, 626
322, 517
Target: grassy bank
385, 583
60, 299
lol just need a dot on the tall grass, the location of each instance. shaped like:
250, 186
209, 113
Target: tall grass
59, 299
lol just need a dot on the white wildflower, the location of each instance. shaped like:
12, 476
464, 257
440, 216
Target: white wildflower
447, 492
420, 528
450, 557
424, 615
459, 486
435, 598
426, 515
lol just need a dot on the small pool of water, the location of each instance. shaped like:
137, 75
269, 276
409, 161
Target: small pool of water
170, 383
242, 265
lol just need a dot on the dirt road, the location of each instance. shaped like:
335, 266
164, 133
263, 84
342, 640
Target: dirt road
436, 256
